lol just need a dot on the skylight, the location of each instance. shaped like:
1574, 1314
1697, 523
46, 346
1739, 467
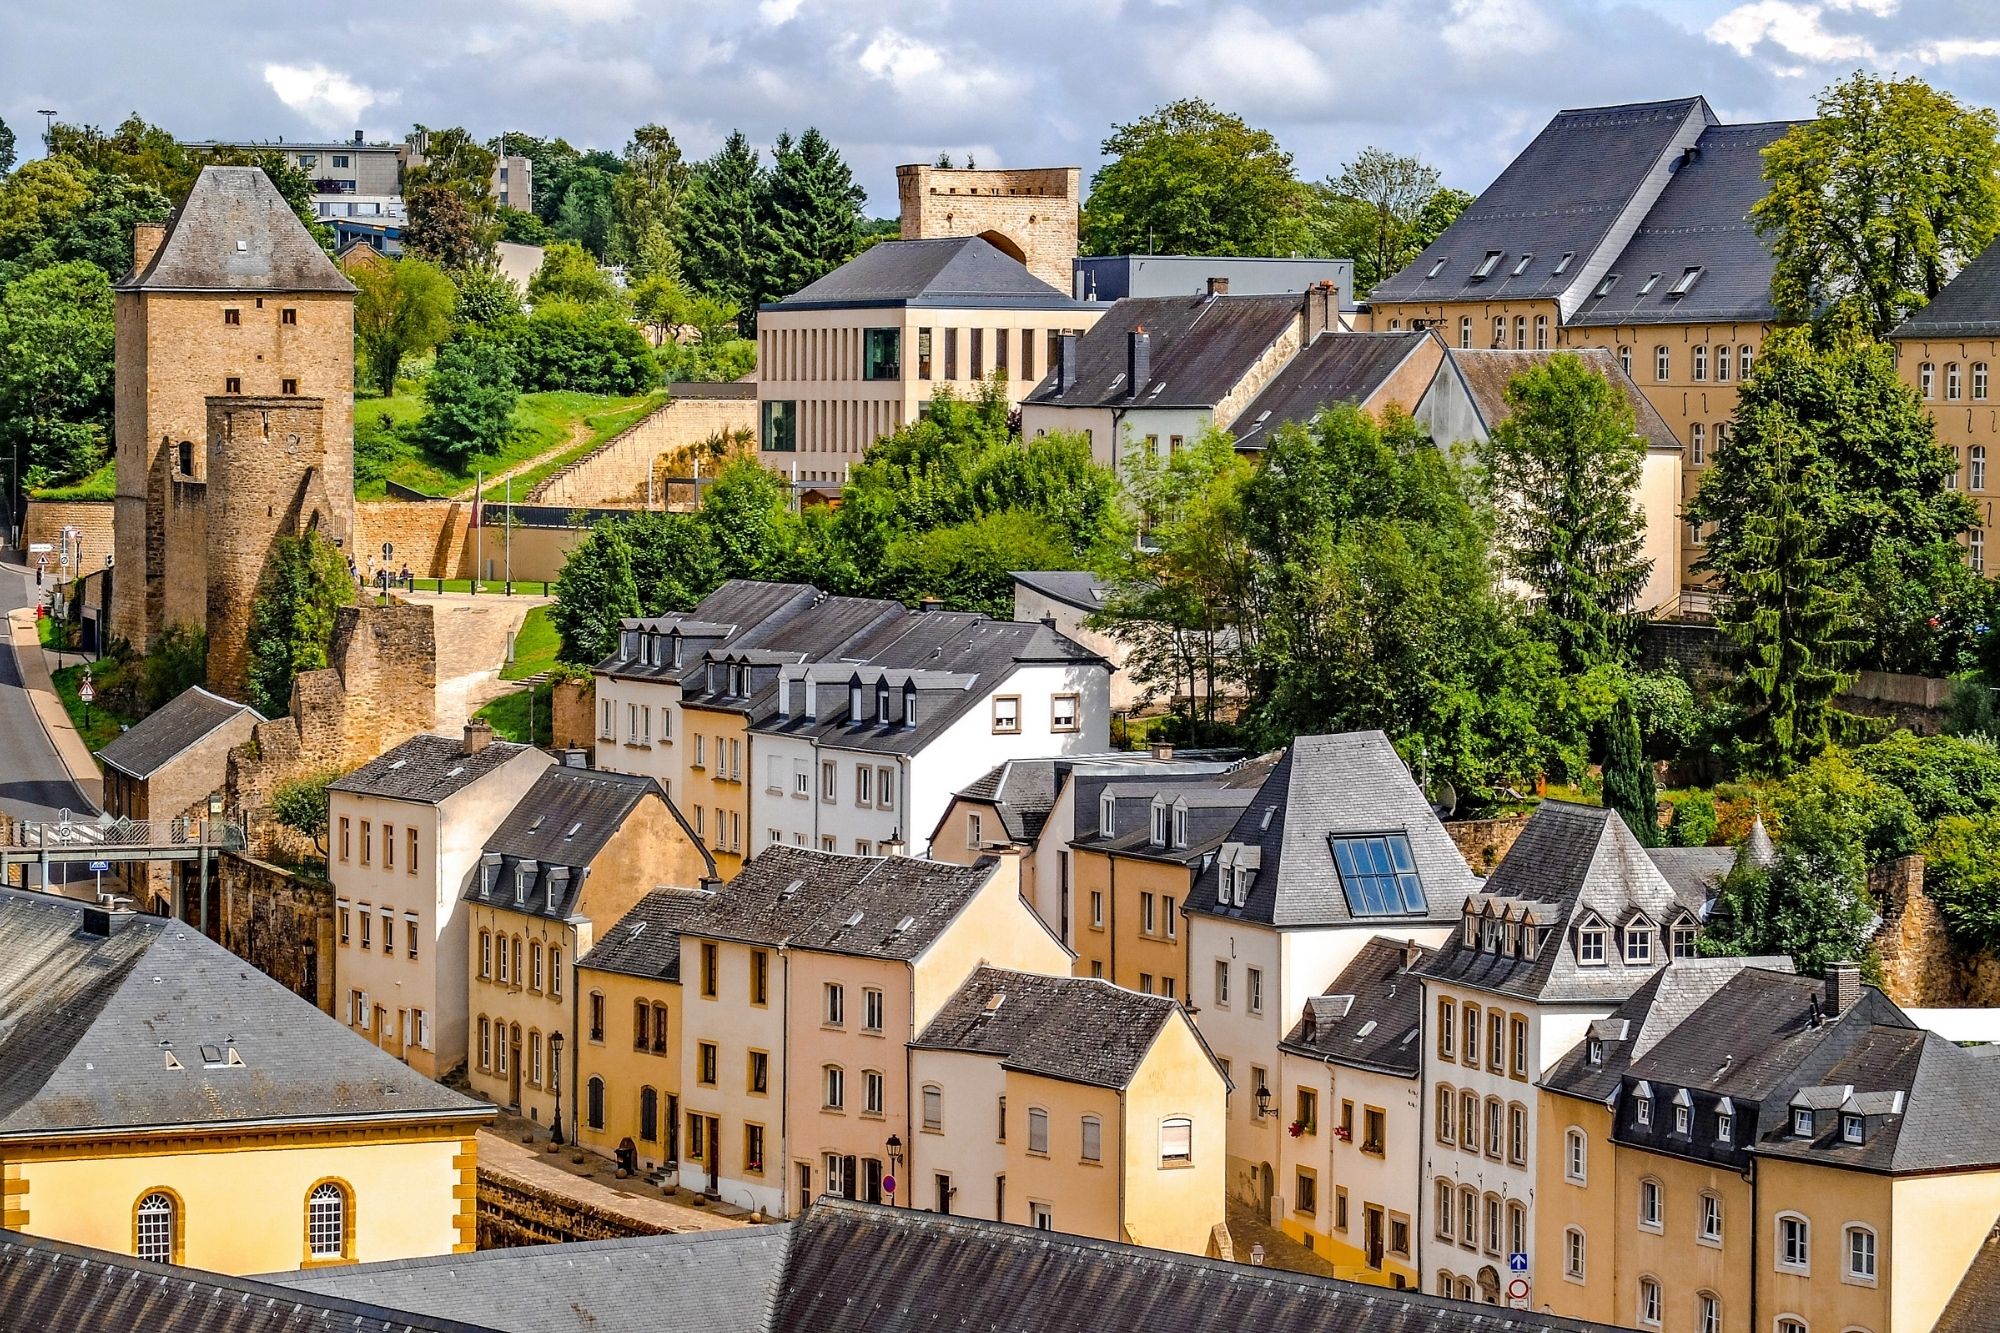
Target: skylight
1438, 267
1687, 281
1487, 265
1378, 874
1610, 281
1562, 265
1522, 267
1651, 282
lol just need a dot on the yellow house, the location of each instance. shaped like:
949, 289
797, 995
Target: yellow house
164, 1100
811, 973
628, 1051
1947, 352
1779, 1154
581, 847
1069, 1104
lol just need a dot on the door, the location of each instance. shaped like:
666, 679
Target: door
805, 1174
1372, 1229
871, 1179
514, 1068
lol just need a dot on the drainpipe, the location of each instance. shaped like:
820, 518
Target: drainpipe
1756, 1228
1111, 913
906, 1190
784, 1073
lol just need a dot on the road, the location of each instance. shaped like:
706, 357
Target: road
33, 782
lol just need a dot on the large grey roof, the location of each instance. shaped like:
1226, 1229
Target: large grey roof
1977, 1295
1486, 373
88, 1025
1571, 863
1348, 784
693, 1282
1213, 801
156, 739
646, 941
1078, 1029
957, 272
1371, 1017
1198, 349
1693, 871
1578, 189
427, 768
53, 1286
235, 232
1335, 367
806, 899
556, 830
1073, 587
1968, 307
727, 613
1022, 792
1701, 220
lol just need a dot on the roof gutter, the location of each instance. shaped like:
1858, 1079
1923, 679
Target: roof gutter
387, 1119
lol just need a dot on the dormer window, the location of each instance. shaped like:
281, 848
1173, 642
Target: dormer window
677, 648
1642, 1109
1490, 936
854, 713
1486, 266
1180, 826
1802, 1122
1590, 941
628, 646
1531, 941
1683, 938
1725, 1124
1851, 1127
1159, 833
1468, 934
1593, 1051
1683, 1112
882, 701
1107, 815
1610, 281
1240, 890
1639, 943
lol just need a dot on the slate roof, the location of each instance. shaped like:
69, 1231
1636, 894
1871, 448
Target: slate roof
54, 1285
1073, 587
1579, 188
959, 272
805, 899
1977, 1295
693, 1282
162, 735
1077, 1029
1573, 864
734, 608
1335, 367
1199, 349
1352, 783
88, 1024
427, 769
235, 232
1701, 219
1968, 307
1693, 871
1024, 792
557, 829
1214, 802
1487, 373
646, 941
1371, 1017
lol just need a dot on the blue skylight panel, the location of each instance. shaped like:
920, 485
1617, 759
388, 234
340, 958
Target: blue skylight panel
1379, 875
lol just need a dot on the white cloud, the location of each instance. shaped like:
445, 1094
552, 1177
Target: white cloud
1881, 9
927, 75
1794, 28
326, 98
775, 12
1480, 30
585, 11
1947, 49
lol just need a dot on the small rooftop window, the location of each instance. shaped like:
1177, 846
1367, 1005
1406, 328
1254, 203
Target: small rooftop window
1562, 265
1486, 266
1652, 281
1610, 281
1522, 267
1378, 874
1850, 1129
1686, 283
1437, 268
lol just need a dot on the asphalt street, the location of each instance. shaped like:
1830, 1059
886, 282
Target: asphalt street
33, 782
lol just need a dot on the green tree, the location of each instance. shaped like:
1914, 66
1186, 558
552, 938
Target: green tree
56, 339
53, 211
967, 566
1628, 778
594, 591
1836, 790
1439, 212
674, 564
485, 297
812, 224
569, 273
1190, 179
469, 399
1694, 820
1811, 902
1941, 776
1563, 468
136, 150
747, 514
177, 662
647, 199
300, 804
721, 225
402, 309
588, 214
304, 584
1962, 876
1876, 202
441, 228
521, 227
1370, 211
7, 158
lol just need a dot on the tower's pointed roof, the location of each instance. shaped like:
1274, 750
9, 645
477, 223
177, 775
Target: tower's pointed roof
235, 233
1757, 849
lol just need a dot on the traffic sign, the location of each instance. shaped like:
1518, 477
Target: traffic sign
889, 1184
1517, 1293
86, 691
100, 866
1517, 1262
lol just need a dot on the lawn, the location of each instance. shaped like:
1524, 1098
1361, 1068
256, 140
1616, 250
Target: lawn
535, 646
508, 716
542, 422
99, 485
98, 727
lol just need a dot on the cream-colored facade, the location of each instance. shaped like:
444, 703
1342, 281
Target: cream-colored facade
1954, 377
715, 749
629, 1045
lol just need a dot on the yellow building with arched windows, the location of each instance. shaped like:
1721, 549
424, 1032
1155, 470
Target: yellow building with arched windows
159, 1098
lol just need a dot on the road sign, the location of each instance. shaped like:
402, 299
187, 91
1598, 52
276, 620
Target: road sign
40, 548
889, 1184
1517, 1293
100, 866
1517, 1262
86, 691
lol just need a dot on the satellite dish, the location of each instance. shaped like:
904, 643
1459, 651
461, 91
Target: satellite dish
1447, 799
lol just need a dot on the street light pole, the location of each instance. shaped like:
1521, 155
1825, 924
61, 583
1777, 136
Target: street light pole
555, 1059
214, 810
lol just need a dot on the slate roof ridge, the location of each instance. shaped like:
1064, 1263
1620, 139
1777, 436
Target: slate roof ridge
272, 251
944, 271
204, 709
1382, 1005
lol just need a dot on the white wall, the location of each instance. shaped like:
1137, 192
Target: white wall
617, 753
968, 1150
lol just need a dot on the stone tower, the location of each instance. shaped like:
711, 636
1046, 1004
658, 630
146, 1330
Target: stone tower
231, 300
1029, 214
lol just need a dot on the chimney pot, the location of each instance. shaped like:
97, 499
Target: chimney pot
147, 237
1218, 286
357, 136
478, 735
1163, 750
1843, 987
930, 604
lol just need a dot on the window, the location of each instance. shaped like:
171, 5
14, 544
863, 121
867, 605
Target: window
1683, 939
1093, 1139
835, 1011
1038, 1213
593, 1102
1176, 1141
1590, 945
1725, 1124
1520, 333
288, 386
1493, 1224
1038, 1131
1062, 713
753, 1149
1642, 1110
1001, 1137
288, 316
1802, 1122
232, 384
873, 1094
1221, 983
485, 1043
156, 1228
1097, 909
1787, 1324
708, 969
885, 789
1638, 944
1494, 1019
326, 1222
1465, 331
1027, 355
975, 832
1683, 1119
1499, 330
1306, 1193
881, 354
232, 317
1447, 1104
1723, 359
1708, 1308
1468, 1121
597, 1016
1952, 382
705, 1064
1006, 714
1373, 1139
1378, 875
535, 961
368, 935
1698, 443
933, 1102
1927, 381
1443, 1210
1711, 1219
1860, 1254
760, 1072
1254, 986
780, 425
1698, 370
1651, 1204
1493, 1130
1663, 363
1576, 1157
835, 1088
1976, 550
535, 1058
1541, 333
1517, 1227
1649, 1302
1977, 455
976, 348
864, 785
1744, 355
1979, 381
1517, 1134
1148, 917
1573, 1254
1518, 1029
1625, 359
1794, 1243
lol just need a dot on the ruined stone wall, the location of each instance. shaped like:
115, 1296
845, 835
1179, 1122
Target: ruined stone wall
1030, 213
1482, 842
280, 923
574, 710
513, 1212
614, 473
429, 537
1921, 967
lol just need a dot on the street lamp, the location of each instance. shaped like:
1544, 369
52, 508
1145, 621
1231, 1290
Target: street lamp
555, 1059
895, 1165
1264, 1107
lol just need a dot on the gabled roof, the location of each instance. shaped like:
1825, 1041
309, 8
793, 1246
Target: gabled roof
1214, 803
1335, 367
162, 735
734, 608
805, 899
555, 833
1078, 1029
153, 1025
1693, 871
1968, 307
959, 272
1579, 189
428, 769
1977, 1295
1700, 221
1486, 373
1371, 1017
1348, 785
1199, 348
235, 233
1022, 792
646, 941
1072, 587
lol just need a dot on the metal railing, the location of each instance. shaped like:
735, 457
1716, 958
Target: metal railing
69, 834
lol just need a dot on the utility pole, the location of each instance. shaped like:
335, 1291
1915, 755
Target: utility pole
478, 530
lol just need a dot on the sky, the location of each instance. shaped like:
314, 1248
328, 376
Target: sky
1461, 83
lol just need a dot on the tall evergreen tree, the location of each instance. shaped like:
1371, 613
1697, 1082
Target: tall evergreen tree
647, 196
813, 225
1628, 778
721, 225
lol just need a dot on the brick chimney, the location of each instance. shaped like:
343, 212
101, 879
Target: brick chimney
478, 735
1218, 286
147, 237
1322, 309
1843, 988
1138, 360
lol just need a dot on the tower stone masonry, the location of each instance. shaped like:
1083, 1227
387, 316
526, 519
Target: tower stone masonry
1029, 213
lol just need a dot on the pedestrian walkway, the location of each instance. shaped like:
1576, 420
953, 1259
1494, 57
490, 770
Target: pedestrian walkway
32, 660
1247, 1229
593, 1181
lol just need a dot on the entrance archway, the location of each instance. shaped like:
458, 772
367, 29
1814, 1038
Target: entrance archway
1005, 245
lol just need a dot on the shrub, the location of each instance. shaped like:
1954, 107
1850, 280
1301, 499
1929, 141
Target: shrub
1941, 775
1694, 820
469, 400
1962, 876
179, 661
301, 804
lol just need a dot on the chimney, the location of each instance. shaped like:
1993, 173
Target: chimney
1843, 988
1322, 309
478, 735
1162, 750
357, 137
1412, 953
576, 757
1138, 360
930, 604
96, 924
1218, 286
1049, 619
147, 237
1067, 369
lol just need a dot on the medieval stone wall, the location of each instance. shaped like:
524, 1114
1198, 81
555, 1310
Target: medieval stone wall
513, 1212
1921, 967
574, 710
428, 536
614, 473
46, 519
280, 923
1482, 842
1029, 213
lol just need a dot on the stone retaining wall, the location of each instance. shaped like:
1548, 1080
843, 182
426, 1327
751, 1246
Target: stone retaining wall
614, 473
513, 1212
47, 518
1482, 842
280, 923
429, 536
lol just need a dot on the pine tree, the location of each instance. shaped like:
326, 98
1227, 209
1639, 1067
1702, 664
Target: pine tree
721, 225
1628, 778
813, 224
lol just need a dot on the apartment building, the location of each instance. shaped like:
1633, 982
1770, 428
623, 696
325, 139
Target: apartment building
1349, 1078
1947, 352
1069, 1104
813, 972
857, 354
1624, 228
1339, 846
1574, 919
574, 855
406, 832
1780, 1152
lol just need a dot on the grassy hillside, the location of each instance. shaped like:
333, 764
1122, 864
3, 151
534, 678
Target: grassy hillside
570, 423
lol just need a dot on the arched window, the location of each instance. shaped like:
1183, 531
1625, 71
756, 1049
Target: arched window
1493, 1237
1860, 1252
535, 965
156, 1228
1649, 1302
1744, 355
1176, 1139
649, 1114
1625, 359
535, 1058
1520, 333
1977, 479
328, 1221
1793, 1253
1709, 1227
1447, 1104
1791, 1324
1443, 1209
517, 960
1573, 1253
1652, 1204
1541, 333
1722, 360
1495, 1130
1576, 1157
1517, 1134
1446, 1285
1979, 381
1465, 330
1468, 1217
485, 938
1468, 1121
1927, 381
1952, 382
485, 953
1698, 443
835, 1079
1038, 1132
1699, 370
1663, 362
1499, 330
1708, 1313
659, 1029
594, 1102
1517, 1227
933, 1100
